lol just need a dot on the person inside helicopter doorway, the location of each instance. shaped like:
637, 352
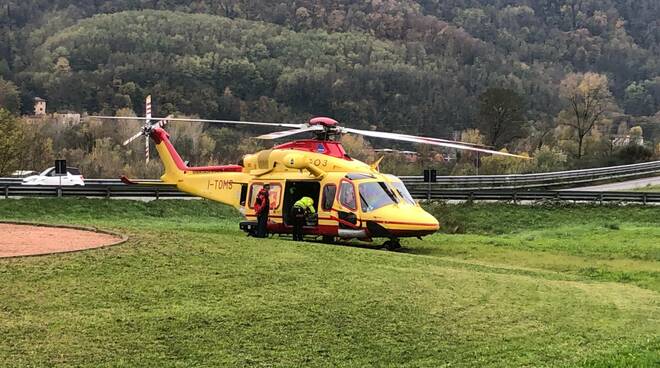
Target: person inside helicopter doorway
262, 207
303, 208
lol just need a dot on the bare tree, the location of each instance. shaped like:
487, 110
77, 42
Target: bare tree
589, 100
500, 116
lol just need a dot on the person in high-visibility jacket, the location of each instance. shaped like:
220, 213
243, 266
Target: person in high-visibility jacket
299, 212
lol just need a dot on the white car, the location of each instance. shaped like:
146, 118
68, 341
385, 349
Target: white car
49, 177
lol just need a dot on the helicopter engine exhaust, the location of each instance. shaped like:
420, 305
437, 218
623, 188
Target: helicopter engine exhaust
300, 162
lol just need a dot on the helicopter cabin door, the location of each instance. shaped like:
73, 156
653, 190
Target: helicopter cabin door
347, 208
294, 190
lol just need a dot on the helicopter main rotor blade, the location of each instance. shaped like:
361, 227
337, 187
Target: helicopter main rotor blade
286, 133
445, 140
161, 123
424, 140
212, 121
388, 135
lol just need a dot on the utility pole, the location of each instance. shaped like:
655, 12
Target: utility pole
478, 160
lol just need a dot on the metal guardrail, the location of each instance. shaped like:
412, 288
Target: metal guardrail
540, 180
156, 192
514, 181
539, 195
117, 190
486, 187
88, 182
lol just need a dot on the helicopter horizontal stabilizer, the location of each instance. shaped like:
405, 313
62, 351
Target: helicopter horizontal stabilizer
128, 181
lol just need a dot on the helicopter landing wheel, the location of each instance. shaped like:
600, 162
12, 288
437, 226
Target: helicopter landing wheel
329, 239
392, 244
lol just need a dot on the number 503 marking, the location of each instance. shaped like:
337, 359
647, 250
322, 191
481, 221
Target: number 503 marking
318, 162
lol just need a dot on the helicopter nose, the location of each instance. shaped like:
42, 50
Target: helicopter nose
402, 221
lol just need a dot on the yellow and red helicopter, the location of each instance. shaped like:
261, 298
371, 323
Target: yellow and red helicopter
353, 199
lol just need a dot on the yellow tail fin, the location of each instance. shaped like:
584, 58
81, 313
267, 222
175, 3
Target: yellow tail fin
174, 165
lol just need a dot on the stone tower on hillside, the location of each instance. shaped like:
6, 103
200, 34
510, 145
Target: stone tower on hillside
39, 106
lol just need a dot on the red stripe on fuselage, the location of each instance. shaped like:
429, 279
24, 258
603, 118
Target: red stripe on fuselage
405, 223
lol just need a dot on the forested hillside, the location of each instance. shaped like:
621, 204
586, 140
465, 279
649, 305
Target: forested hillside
428, 67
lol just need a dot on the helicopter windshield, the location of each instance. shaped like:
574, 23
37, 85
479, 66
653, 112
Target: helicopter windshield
374, 195
403, 192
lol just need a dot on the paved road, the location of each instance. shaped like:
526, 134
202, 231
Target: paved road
622, 186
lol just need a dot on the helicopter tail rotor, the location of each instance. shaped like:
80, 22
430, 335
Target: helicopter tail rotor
131, 139
147, 113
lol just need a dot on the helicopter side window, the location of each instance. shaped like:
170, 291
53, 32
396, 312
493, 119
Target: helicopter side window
347, 195
244, 189
274, 195
329, 192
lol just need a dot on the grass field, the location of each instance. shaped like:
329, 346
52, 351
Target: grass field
503, 285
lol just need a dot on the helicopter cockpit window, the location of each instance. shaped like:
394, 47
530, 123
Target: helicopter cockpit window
403, 192
347, 195
374, 195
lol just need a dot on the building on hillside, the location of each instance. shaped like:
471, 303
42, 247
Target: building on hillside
39, 106
625, 130
67, 118
624, 140
61, 118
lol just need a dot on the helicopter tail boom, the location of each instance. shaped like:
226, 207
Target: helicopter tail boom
172, 162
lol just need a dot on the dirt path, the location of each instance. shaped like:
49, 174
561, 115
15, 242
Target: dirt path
24, 240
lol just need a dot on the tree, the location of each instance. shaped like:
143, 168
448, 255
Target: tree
500, 116
467, 162
499, 164
540, 132
636, 135
589, 101
637, 100
633, 153
36, 151
358, 148
105, 160
548, 159
11, 142
9, 97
